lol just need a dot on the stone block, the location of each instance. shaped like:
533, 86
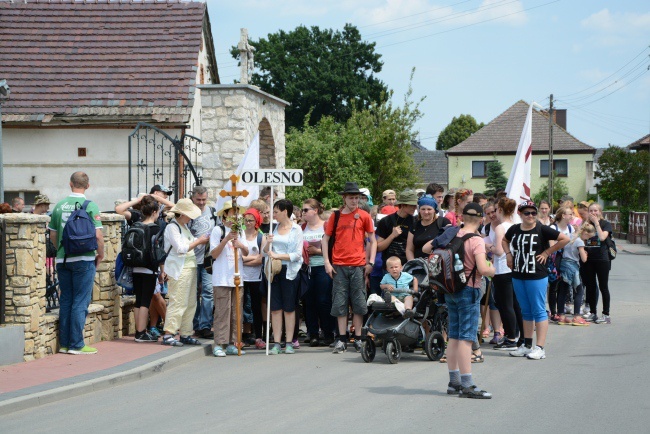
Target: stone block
29, 346
24, 263
22, 300
222, 135
221, 111
24, 244
19, 281
240, 114
25, 232
105, 279
234, 124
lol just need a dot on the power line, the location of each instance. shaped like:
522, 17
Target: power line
469, 25
615, 90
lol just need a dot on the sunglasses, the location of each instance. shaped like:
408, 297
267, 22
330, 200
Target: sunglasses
529, 213
306, 210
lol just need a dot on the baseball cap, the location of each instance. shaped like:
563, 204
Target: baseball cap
41, 199
527, 204
473, 209
161, 187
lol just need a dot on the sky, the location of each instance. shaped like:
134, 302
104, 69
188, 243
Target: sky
479, 57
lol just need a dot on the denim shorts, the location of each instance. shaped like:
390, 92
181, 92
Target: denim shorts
463, 309
348, 287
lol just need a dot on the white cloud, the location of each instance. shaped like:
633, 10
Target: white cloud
593, 75
618, 28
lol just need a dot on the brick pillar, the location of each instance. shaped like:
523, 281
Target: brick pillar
25, 280
105, 291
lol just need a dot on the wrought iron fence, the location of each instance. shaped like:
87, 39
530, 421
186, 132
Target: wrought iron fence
636, 233
51, 280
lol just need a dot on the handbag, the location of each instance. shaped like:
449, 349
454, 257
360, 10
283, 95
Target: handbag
271, 268
611, 248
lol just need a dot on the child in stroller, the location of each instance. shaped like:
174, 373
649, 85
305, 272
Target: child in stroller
396, 284
387, 327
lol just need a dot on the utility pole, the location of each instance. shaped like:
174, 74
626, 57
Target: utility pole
550, 154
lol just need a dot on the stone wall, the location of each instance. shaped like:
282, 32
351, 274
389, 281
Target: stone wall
25, 285
231, 115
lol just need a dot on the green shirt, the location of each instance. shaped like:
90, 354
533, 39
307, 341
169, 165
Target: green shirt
60, 214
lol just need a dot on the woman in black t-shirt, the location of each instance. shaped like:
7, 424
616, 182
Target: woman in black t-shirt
426, 228
597, 265
527, 249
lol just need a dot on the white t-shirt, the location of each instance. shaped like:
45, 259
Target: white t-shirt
252, 274
223, 267
500, 262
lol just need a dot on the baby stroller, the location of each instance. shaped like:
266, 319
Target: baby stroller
387, 325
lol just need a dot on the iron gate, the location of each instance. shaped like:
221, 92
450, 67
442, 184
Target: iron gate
157, 158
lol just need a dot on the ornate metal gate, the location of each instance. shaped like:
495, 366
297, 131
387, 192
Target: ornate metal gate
157, 158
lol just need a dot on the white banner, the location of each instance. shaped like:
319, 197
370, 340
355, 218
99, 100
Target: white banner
251, 161
518, 187
272, 177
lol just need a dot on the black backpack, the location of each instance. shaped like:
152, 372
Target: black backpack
137, 246
442, 275
158, 252
208, 260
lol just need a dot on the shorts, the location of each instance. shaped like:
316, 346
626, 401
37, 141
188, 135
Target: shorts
348, 287
463, 309
284, 292
400, 295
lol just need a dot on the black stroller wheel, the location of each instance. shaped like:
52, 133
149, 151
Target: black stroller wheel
368, 350
434, 346
393, 351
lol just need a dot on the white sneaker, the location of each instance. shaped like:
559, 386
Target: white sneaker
537, 354
591, 317
521, 351
603, 320
568, 309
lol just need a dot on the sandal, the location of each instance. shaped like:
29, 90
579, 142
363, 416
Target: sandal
495, 338
443, 359
189, 340
478, 358
169, 340
486, 333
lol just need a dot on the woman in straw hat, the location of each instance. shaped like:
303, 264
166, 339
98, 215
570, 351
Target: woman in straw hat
180, 267
223, 242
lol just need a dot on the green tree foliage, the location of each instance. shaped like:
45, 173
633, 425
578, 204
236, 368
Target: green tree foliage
496, 178
559, 189
324, 72
459, 129
373, 148
624, 178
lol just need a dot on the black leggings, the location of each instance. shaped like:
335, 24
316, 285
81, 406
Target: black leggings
256, 305
143, 288
590, 272
506, 301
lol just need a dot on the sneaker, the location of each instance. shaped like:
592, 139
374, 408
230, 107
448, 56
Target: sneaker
205, 334
568, 309
231, 350
275, 349
145, 337
506, 345
63, 350
339, 347
537, 354
555, 318
313, 342
591, 317
260, 344
603, 320
521, 351
289, 349
357, 345
85, 350
153, 331
409, 313
564, 321
453, 389
295, 344
579, 321
217, 351
474, 392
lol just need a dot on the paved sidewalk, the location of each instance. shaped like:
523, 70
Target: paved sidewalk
635, 249
60, 376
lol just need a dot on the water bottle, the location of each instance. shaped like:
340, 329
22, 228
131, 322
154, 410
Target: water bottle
459, 268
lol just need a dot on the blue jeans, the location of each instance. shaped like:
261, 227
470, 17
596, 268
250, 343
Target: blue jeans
463, 310
204, 300
319, 304
76, 283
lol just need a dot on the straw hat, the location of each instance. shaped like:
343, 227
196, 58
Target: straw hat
187, 208
228, 205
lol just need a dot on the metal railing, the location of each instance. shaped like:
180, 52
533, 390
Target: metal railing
636, 233
51, 279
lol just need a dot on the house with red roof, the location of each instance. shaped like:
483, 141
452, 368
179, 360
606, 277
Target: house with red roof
83, 75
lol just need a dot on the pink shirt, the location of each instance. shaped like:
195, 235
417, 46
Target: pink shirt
473, 246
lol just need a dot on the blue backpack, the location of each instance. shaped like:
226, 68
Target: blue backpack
79, 233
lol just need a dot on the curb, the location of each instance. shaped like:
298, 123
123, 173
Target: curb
103, 382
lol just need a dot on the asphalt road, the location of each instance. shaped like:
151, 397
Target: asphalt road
594, 379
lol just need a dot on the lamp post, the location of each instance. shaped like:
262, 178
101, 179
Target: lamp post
4, 93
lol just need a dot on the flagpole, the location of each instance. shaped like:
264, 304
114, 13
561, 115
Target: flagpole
268, 294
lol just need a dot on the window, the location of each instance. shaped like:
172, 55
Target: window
561, 168
479, 169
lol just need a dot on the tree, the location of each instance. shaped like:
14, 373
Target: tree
459, 129
559, 189
324, 72
496, 178
372, 148
624, 178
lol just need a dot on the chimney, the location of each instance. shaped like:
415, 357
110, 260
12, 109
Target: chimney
560, 117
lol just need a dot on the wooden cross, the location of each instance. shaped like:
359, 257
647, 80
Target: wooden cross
233, 193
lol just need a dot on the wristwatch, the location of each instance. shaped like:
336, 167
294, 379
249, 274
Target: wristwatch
372, 264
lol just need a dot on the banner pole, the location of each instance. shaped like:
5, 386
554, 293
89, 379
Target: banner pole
268, 295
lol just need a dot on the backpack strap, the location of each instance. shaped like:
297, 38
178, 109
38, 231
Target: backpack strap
85, 204
472, 273
173, 222
259, 241
213, 215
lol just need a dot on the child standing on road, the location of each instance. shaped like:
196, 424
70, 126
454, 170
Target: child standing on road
396, 282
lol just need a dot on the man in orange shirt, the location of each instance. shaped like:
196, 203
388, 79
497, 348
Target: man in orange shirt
346, 264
